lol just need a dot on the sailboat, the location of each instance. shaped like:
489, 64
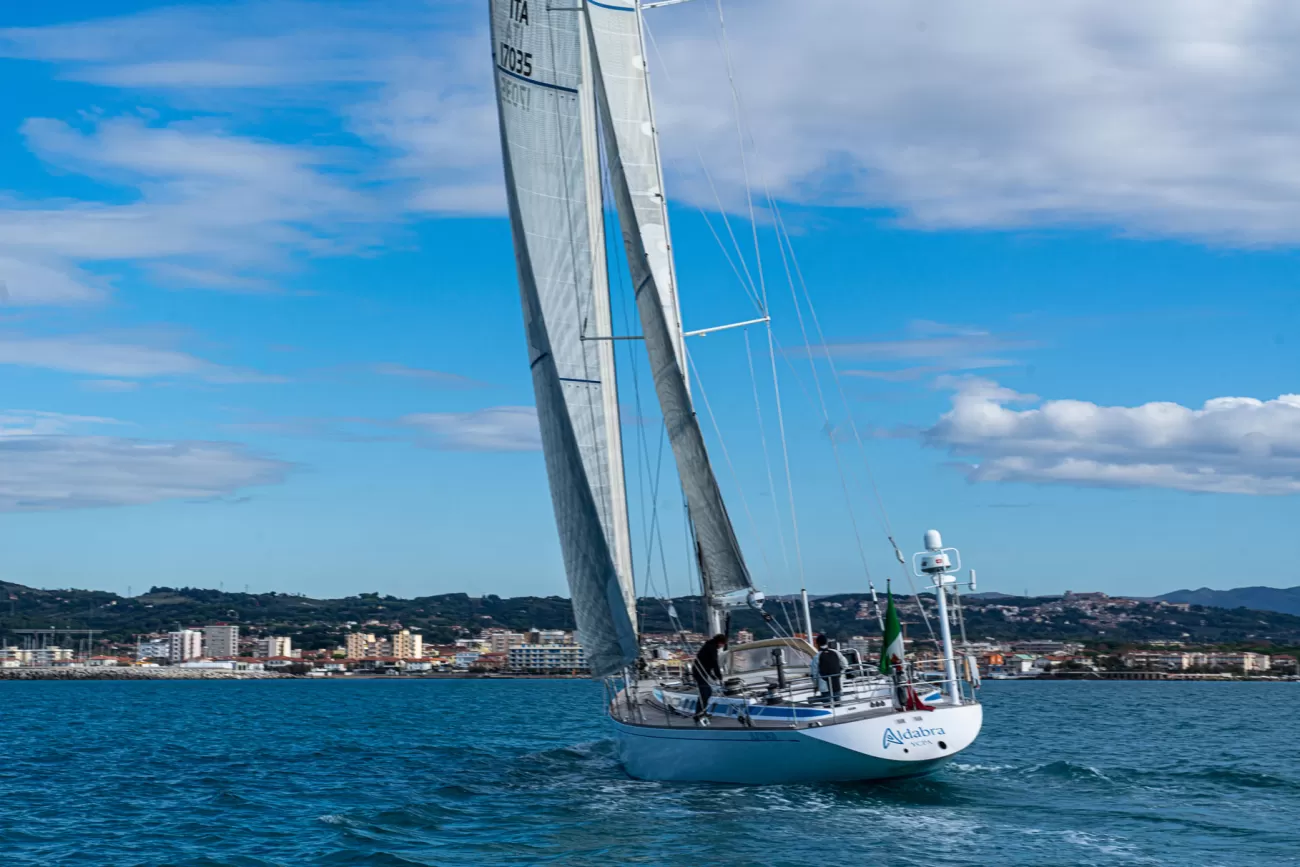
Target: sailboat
574, 105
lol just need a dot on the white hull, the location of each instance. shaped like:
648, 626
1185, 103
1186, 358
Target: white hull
904, 744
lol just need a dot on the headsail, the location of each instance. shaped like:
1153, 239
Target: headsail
722, 566
539, 53
617, 34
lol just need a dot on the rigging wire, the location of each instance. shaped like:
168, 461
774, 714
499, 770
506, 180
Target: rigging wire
757, 294
767, 461
785, 245
735, 477
783, 238
744, 164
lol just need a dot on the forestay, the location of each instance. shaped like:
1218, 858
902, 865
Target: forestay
722, 566
549, 164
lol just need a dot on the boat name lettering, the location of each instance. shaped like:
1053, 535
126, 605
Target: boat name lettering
518, 62
903, 736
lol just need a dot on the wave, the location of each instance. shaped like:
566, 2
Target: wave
1242, 779
1066, 770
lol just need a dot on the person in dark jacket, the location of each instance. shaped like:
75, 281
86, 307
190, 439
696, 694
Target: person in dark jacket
708, 669
830, 667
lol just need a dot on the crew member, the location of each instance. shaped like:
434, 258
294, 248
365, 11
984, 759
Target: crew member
814, 668
830, 668
706, 669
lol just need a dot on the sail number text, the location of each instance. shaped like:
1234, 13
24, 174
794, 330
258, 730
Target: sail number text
516, 61
519, 11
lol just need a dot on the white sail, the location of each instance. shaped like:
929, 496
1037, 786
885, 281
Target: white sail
620, 44
539, 54
722, 565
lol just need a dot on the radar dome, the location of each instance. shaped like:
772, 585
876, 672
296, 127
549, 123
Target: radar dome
933, 541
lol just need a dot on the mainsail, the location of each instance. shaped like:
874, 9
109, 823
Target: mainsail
722, 567
543, 98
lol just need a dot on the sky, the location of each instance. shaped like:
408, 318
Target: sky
259, 319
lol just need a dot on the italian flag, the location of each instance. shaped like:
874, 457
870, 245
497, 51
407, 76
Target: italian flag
892, 648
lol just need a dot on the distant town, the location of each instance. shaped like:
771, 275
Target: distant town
1076, 635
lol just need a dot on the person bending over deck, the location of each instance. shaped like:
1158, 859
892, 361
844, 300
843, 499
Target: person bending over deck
706, 669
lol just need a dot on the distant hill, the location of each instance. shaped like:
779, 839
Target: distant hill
321, 623
1284, 600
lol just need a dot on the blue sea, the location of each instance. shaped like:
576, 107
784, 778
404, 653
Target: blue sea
484, 772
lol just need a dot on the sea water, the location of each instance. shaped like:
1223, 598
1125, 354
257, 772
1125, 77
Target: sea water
482, 772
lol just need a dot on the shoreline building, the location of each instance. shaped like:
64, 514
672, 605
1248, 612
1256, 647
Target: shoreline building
184, 645
407, 645
358, 645
155, 649
501, 641
547, 658
274, 645
221, 641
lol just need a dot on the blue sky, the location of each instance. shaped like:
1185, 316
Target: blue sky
261, 326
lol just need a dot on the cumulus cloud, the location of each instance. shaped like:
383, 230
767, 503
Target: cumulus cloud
496, 429
44, 465
1234, 445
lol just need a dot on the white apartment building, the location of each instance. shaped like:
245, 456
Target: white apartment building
1247, 661
158, 649
274, 645
550, 637
1181, 661
221, 641
36, 657
544, 658
501, 642
407, 645
1167, 660
184, 645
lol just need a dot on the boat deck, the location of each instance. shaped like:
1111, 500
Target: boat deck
672, 705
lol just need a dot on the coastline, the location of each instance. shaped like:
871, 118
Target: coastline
162, 673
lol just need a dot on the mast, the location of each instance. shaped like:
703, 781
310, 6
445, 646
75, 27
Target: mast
632, 157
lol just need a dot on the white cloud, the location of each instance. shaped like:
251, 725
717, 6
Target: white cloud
943, 348
439, 378
26, 281
496, 429
44, 467
109, 385
113, 359
405, 86
1236, 445
1166, 117
1162, 118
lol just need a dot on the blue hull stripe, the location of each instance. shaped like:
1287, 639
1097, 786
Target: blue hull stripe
612, 8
